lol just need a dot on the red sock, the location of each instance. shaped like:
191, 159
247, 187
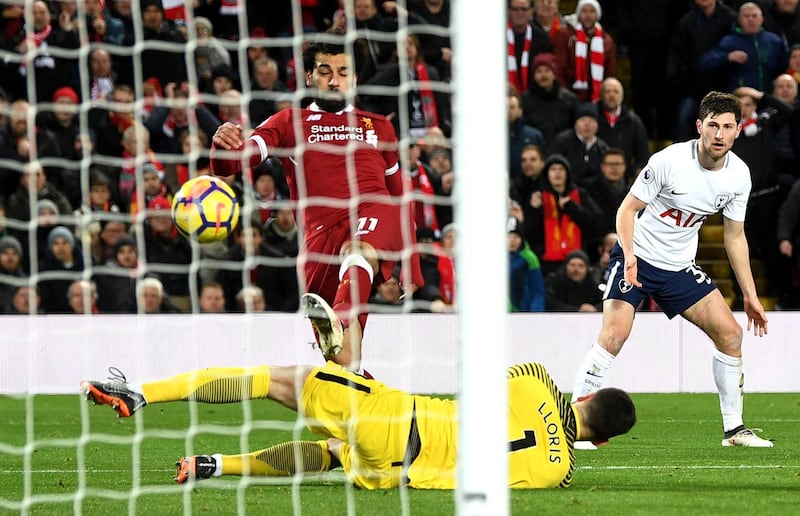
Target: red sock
356, 277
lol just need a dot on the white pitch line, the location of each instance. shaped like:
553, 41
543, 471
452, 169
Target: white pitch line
741, 466
622, 467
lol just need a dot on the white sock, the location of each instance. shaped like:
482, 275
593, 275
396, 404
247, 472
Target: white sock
729, 379
592, 372
218, 471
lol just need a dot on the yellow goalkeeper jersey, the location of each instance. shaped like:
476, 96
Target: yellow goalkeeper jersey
374, 420
542, 428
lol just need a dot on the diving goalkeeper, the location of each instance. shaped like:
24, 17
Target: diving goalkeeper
382, 437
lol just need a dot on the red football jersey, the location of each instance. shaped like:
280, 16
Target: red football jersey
330, 158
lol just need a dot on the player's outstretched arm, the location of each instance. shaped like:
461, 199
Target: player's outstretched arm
229, 151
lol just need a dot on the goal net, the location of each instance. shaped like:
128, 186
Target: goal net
110, 106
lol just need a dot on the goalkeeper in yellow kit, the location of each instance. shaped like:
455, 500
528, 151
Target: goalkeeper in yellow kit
382, 437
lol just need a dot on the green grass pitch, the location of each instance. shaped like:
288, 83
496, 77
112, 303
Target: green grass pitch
670, 463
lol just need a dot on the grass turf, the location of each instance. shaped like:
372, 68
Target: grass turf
670, 463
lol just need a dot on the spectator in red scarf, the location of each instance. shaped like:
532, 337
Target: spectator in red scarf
50, 72
525, 41
547, 15
568, 213
427, 108
585, 53
152, 184
423, 182
106, 125
136, 143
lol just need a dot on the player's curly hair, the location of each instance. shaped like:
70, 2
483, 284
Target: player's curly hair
716, 103
610, 413
332, 42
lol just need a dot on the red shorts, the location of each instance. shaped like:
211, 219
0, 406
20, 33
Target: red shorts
379, 225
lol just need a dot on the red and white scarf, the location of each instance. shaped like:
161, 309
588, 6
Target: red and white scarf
596, 52
39, 37
429, 110
518, 75
424, 210
174, 10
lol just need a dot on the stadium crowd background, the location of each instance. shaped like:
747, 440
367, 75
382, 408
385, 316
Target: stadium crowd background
102, 118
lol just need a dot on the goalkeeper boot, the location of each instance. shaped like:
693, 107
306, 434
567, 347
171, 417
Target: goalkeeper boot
114, 393
743, 436
326, 324
196, 467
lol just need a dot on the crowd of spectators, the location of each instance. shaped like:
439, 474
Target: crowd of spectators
104, 112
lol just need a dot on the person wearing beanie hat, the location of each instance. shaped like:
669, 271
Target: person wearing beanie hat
46, 207
66, 94
546, 59
11, 269
9, 242
593, 3
222, 79
572, 288
586, 109
65, 258
548, 104
60, 232
580, 144
568, 215
116, 293
118, 249
658, 224
586, 54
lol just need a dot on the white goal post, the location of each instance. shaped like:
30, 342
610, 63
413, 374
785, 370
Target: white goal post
480, 132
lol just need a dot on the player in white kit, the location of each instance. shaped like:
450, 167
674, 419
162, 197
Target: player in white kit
658, 224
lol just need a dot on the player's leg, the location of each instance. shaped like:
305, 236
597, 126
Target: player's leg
210, 385
339, 327
617, 323
281, 460
619, 307
356, 275
712, 315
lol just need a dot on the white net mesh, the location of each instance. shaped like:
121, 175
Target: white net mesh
116, 129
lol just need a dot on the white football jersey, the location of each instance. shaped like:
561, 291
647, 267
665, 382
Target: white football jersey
680, 195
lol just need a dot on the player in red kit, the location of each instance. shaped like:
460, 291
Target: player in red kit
342, 166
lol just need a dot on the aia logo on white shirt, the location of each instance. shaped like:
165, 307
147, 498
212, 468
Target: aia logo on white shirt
314, 117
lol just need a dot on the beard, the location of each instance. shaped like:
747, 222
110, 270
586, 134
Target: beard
331, 100
332, 105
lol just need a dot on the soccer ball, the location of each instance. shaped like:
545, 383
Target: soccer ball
206, 208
